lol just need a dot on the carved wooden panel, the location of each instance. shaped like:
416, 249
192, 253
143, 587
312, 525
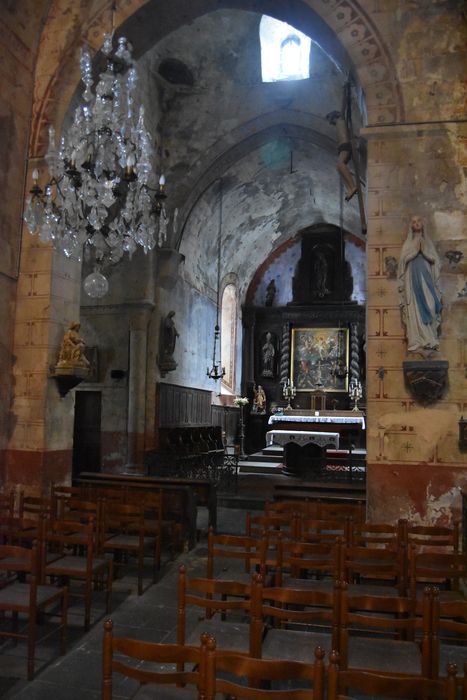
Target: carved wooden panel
181, 405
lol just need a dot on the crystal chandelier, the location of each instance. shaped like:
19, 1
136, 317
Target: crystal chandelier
102, 193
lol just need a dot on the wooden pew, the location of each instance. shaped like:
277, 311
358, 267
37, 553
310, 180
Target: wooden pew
181, 496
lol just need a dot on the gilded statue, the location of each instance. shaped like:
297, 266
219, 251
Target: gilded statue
72, 349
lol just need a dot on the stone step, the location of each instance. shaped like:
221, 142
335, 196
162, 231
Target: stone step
259, 457
272, 450
249, 466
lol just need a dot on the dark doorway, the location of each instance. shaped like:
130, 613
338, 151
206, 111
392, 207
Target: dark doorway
87, 432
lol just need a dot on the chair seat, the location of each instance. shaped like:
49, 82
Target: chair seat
325, 584
153, 691
16, 595
372, 589
452, 653
16, 563
71, 565
294, 645
229, 635
228, 574
385, 655
125, 541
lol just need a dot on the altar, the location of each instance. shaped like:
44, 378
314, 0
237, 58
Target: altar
304, 450
349, 424
309, 437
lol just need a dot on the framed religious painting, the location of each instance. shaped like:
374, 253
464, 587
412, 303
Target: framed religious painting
320, 359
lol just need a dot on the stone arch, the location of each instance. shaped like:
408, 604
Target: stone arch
245, 138
345, 30
280, 249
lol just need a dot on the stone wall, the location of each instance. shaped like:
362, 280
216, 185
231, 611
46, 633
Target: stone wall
19, 32
415, 468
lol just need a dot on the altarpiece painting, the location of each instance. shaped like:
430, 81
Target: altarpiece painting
319, 359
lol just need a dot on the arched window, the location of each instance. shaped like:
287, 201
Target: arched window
285, 52
228, 336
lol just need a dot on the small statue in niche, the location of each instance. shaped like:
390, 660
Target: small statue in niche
420, 295
168, 338
72, 349
259, 400
319, 275
270, 292
170, 334
268, 354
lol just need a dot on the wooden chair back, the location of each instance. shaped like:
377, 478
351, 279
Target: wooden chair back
336, 511
34, 506
120, 653
58, 492
376, 535
383, 566
274, 525
107, 493
124, 529
432, 538
320, 531
341, 683
221, 598
299, 562
66, 537
449, 637
79, 510
235, 549
7, 503
442, 569
21, 532
22, 596
238, 676
392, 618
298, 609
309, 509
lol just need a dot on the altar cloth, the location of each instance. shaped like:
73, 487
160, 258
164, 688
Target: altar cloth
284, 418
302, 437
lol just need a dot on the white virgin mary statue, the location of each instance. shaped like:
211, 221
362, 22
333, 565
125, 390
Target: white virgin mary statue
420, 295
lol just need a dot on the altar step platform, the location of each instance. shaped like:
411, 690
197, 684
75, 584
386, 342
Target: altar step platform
267, 461
271, 459
260, 479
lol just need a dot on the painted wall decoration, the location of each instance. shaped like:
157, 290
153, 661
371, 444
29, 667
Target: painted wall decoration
316, 355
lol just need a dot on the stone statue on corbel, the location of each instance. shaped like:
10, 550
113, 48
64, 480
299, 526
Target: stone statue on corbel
421, 305
167, 340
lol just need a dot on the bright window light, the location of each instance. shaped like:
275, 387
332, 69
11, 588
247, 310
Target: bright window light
285, 52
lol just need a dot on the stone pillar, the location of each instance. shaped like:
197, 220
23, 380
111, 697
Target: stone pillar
136, 425
39, 449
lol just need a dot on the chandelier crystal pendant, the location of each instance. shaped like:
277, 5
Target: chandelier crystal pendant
102, 193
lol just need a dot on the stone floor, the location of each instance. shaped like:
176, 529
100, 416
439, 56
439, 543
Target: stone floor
152, 616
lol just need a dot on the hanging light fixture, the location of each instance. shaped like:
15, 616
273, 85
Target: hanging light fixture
102, 193
216, 372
